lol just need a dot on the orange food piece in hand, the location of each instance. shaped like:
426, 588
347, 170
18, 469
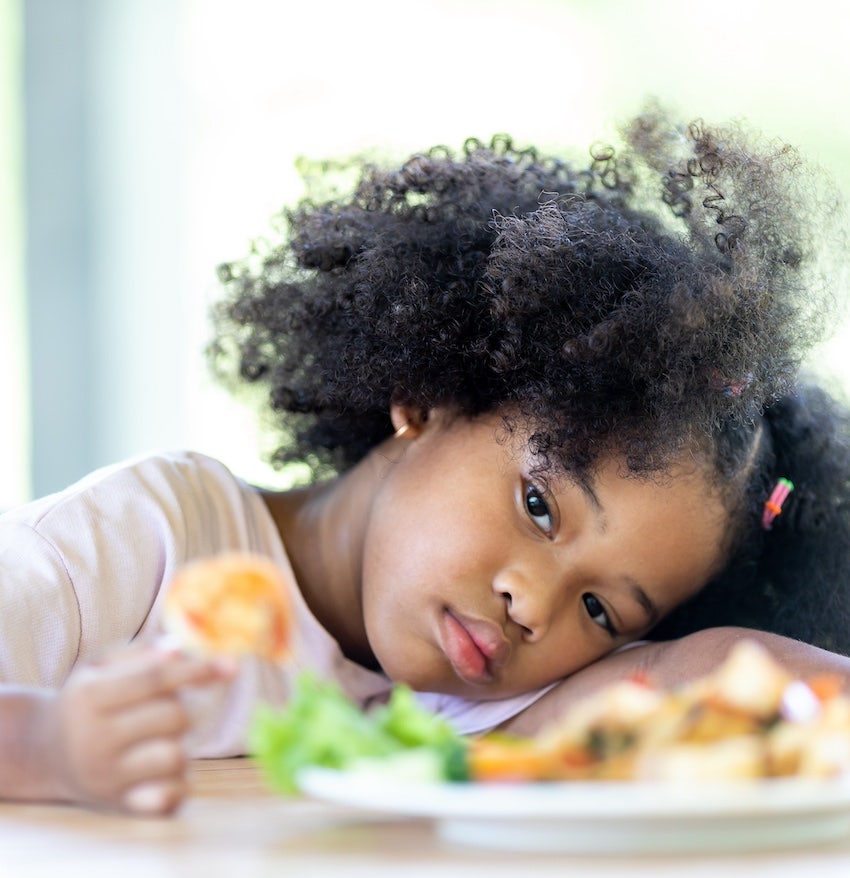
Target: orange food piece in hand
230, 604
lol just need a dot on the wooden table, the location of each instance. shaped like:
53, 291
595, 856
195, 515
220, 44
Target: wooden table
233, 826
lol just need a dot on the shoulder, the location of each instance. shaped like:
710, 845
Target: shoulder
85, 566
142, 474
134, 520
180, 470
131, 487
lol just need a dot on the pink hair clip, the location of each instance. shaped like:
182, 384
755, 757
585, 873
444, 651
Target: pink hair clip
773, 504
727, 387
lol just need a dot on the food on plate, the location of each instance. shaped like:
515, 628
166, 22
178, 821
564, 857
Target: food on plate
230, 604
748, 719
320, 726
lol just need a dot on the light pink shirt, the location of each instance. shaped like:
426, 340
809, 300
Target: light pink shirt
82, 571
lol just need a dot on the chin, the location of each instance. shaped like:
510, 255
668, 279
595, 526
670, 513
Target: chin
402, 674
442, 684
410, 670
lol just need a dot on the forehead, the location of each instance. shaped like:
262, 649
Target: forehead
683, 492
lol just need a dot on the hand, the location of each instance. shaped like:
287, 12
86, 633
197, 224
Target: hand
113, 735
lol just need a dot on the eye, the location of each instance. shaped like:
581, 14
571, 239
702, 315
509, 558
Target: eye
538, 509
598, 613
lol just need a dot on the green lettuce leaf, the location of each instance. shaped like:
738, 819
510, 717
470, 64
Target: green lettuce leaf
321, 727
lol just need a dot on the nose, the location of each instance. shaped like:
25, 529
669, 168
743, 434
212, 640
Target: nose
528, 600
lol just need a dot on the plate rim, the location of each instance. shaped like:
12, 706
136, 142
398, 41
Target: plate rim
579, 800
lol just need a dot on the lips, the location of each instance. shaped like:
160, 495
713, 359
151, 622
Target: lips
476, 648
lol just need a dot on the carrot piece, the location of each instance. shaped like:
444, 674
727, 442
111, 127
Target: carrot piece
825, 686
504, 759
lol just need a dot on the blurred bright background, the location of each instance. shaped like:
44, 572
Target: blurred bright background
142, 142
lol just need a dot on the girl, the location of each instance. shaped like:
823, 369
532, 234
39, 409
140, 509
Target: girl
549, 411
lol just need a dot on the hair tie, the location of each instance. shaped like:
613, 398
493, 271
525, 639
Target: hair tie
773, 504
728, 387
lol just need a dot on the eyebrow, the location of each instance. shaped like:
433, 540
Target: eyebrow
586, 484
645, 601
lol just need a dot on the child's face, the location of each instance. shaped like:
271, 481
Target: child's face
478, 582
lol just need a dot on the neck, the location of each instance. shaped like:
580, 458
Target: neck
323, 529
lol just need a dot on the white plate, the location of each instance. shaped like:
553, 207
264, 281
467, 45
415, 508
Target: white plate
605, 817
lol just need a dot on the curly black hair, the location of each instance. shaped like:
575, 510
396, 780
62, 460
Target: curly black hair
656, 297
793, 578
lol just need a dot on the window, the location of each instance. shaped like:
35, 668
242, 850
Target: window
14, 388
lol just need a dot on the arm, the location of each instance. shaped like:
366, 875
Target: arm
81, 571
111, 737
672, 663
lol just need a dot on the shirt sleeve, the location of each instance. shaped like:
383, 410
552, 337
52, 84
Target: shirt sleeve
40, 618
470, 717
79, 573
81, 570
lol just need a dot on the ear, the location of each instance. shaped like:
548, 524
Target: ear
407, 420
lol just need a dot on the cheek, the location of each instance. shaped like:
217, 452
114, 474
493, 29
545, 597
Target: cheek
419, 557
423, 530
402, 586
411, 557
398, 555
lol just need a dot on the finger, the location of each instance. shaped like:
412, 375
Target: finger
161, 716
159, 797
154, 759
156, 673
